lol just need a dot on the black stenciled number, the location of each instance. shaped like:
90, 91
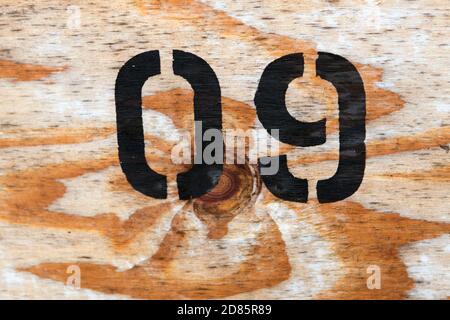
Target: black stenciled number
352, 127
208, 109
273, 114
130, 133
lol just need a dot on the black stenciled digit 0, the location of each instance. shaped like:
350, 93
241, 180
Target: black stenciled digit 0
273, 114
130, 133
208, 109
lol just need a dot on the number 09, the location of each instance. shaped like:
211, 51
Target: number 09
272, 113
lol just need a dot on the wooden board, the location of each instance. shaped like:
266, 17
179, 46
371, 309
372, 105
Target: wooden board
66, 208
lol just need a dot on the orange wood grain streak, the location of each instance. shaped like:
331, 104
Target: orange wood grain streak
432, 138
18, 71
266, 266
54, 136
364, 237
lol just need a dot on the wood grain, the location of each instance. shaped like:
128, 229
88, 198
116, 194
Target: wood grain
64, 200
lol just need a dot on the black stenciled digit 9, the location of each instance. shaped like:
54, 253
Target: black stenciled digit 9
272, 112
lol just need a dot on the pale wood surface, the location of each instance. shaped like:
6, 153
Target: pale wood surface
64, 200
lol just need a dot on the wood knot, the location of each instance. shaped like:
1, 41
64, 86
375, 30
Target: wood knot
235, 192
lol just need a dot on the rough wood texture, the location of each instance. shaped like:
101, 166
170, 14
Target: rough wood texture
64, 200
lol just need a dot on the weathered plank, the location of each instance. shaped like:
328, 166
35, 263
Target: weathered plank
65, 203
